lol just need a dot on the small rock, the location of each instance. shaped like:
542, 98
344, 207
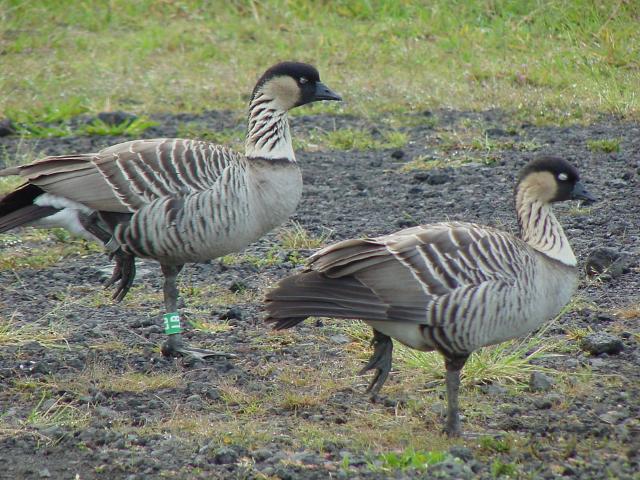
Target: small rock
106, 412
613, 416
397, 154
262, 454
493, 390
539, 382
225, 455
432, 178
495, 132
44, 473
6, 127
212, 393
116, 118
232, 313
463, 453
609, 261
48, 404
542, 403
598, 343
238, 287
340, 339
451, 469
438, 408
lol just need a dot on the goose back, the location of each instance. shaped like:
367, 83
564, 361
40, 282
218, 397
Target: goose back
453, 286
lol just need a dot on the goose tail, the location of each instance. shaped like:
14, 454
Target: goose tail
313, 293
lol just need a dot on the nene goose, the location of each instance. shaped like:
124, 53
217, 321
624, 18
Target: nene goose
175, 200
452, 287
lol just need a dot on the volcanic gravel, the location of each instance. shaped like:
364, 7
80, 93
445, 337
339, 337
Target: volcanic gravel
352, 193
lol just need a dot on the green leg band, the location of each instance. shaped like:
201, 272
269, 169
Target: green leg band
172, 323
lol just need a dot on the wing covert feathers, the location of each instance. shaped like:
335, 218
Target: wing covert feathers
415, 275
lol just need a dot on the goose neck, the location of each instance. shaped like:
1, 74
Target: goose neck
268, 135
540, 228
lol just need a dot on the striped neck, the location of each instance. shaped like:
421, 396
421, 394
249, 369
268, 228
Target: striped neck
268, 133
540, 228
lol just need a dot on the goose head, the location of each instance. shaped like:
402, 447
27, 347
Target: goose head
288, 85
552, 179
284, 86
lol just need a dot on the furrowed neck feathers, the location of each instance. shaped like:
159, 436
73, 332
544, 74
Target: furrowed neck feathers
540, 228
268, 133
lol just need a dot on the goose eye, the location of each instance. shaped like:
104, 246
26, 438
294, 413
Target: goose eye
563, 177
303, 80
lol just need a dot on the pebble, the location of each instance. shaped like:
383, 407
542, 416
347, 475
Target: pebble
340, 339
599, 343
547, 401
539, 382
433, 178
6, 127
493, 390
232, 313
607, 260
225, 455
450, 469
461, 452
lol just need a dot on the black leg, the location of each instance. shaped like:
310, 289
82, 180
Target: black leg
454, 366
380, 361
175, 345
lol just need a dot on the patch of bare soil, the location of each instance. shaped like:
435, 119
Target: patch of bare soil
85, 393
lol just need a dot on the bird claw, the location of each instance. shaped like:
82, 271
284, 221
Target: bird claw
124, 272
380, 361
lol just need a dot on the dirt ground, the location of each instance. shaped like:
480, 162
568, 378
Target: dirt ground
92, 397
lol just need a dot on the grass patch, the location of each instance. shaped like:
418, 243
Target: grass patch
605, 145
425, 162
132, 128
501, 469
407, 460
628, 312
13, 334
58, 244
210, 327
358, 139
101, 377
551, 61
9, 184
296, 237
56, 414
36, 130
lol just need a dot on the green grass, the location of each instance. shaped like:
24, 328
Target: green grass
131, 128
558, 61
295, 237
408, 460
501, 469
58, 244
605, 145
